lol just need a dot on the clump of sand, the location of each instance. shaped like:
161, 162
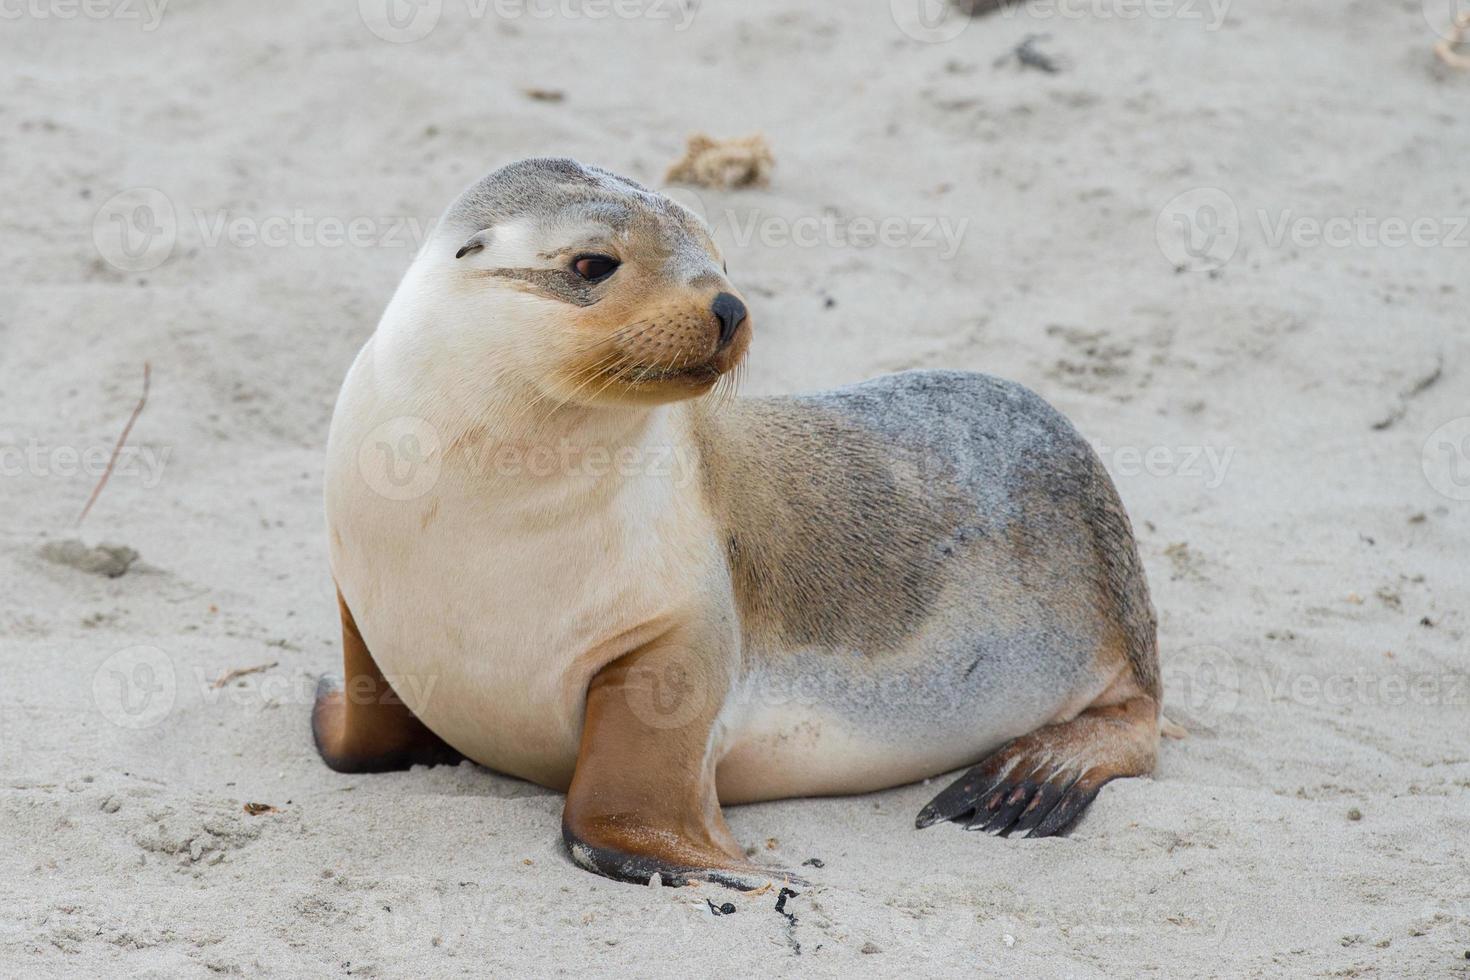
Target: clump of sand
744, 161
110, 560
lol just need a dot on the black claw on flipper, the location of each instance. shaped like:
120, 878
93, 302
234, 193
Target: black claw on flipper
1013, 800
1062, 816
1041, 806
1008, 800
962, 799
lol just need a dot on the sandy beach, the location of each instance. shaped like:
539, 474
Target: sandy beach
1228, 239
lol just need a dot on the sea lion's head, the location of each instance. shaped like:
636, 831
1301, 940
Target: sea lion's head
593, 287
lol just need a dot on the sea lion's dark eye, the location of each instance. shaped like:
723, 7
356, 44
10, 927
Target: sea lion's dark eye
594, 268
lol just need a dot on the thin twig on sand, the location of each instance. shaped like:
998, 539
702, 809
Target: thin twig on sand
1421, 385
107, 473
239, 672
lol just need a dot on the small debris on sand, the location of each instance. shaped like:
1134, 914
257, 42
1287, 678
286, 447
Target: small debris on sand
545, 94
791, 920
257, 809
1186, 564
744, 161
110, 560
239, 672
1420, 385
1025, 55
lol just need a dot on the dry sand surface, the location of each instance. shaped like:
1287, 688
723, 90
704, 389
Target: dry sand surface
1286, 416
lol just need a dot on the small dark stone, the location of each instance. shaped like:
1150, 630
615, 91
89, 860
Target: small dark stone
814, 863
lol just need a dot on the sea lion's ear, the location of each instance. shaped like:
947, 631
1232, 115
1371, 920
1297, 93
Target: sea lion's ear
477, 242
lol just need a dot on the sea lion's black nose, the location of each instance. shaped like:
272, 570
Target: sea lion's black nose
731, 313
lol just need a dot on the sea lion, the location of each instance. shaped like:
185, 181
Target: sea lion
563, 551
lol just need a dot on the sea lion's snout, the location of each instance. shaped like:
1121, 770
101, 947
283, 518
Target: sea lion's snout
731, 312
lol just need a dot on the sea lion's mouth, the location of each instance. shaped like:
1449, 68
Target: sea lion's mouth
653, 375
708, 372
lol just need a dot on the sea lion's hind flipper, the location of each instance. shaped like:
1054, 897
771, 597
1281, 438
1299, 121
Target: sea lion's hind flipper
359, 723
1039, 784
642, 800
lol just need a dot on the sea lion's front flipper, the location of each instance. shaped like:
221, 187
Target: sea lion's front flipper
1039, 784
360, 724
642, 799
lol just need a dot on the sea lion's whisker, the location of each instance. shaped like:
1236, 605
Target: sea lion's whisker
593, 374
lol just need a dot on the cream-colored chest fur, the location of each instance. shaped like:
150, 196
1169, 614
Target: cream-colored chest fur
491, 597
